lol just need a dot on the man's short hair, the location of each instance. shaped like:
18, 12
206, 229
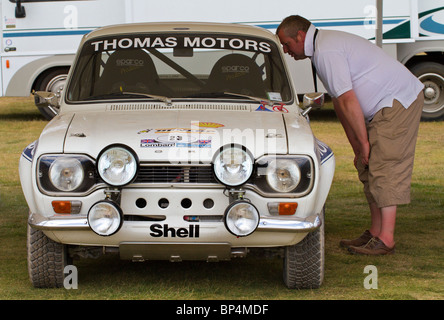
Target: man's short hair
292, 24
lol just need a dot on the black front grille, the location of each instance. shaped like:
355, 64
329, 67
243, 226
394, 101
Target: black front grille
175, 174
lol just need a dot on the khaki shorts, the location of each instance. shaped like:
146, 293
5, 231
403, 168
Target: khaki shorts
392, 135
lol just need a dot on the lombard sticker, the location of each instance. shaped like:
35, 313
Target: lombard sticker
152, 143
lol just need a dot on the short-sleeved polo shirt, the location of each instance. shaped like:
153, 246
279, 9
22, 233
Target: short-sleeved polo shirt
345, 61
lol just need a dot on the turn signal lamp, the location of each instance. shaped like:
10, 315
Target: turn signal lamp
282, 208
66, 207
287, 209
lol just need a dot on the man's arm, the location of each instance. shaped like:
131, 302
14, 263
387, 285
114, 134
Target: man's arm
350, 114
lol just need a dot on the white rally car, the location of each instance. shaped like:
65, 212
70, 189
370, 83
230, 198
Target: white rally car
177, 141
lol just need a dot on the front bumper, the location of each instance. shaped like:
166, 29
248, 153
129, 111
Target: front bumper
266, 224
214, 242
172, 225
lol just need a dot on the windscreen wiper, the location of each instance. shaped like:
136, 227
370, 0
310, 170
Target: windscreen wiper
123, 93
223, 94
259, 99
152, 96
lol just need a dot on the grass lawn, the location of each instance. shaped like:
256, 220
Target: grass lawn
414, 272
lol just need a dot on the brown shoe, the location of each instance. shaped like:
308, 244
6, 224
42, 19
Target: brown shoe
374, 247
362, 240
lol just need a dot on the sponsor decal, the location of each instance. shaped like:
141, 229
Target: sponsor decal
199, 135
235, 69
210, 42
210, 125
263, 107
129, 63
198, 144
147, 143
325, 152
158, 231
144, 131
280, 108
181, 130
28, 152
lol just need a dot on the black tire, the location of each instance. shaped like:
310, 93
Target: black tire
46, 260
431, 74
304, 261
52, 81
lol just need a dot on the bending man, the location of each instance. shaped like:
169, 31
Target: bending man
379, 103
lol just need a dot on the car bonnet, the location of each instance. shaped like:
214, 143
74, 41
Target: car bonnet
177, 135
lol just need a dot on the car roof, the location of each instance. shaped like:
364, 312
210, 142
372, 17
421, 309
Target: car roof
178, 27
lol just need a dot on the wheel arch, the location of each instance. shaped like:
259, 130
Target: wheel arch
25, 79
38, 80
433, 56
429, 67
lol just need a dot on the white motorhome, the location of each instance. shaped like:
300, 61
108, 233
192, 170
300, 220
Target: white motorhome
39, 38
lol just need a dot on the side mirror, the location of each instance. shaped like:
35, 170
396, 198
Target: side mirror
312, 100
20, 10
45, 99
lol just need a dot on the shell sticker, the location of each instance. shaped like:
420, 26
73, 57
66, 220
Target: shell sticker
210, 125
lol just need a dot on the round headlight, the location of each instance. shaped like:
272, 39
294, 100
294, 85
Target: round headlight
241, 218
105, 218
117, 166
233, 166
66, 174
283, 175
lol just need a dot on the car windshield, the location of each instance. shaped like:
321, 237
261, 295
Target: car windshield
178, 66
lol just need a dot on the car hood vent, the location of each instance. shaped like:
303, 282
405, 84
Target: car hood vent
177, 106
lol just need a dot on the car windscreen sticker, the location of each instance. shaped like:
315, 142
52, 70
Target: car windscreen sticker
180, 41
275, 96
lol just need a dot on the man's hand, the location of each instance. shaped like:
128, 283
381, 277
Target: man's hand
362, 155
349, 112
365, 153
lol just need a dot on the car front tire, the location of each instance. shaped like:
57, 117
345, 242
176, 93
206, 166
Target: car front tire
46, 260
304, 261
